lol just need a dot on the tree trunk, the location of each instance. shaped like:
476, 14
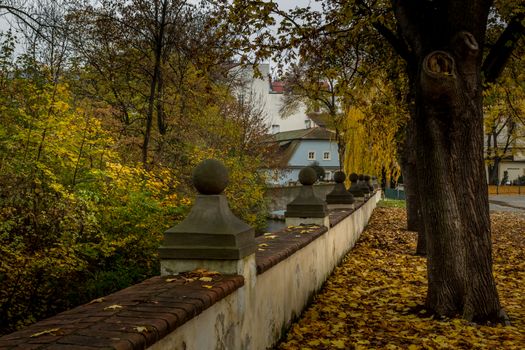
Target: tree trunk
451, 172
450, 165
494, 172
412, 196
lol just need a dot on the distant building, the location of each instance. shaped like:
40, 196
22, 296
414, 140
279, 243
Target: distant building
268, 95
301, 148
510, 159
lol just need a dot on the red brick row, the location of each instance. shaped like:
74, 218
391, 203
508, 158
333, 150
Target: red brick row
133, 318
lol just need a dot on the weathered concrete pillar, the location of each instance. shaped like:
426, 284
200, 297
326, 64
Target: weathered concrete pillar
355, 188
340, 198
363, 186
367, 182
210, 237
375, 184
307, 208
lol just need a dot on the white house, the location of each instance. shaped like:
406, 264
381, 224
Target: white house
268, 96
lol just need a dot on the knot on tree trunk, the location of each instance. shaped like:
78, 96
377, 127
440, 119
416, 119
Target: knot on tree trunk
466, 42
466, 50
438, 76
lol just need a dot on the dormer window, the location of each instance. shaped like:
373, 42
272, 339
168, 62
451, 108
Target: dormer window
307, 123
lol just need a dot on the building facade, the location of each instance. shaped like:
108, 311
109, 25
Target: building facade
298, 149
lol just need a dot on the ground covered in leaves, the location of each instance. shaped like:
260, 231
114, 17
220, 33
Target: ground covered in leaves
367, 303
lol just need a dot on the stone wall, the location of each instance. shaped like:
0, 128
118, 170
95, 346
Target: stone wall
278, 197
227, 312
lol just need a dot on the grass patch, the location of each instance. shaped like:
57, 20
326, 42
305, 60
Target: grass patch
392, 203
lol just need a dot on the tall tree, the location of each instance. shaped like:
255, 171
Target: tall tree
145, 48
444, 51
442, 43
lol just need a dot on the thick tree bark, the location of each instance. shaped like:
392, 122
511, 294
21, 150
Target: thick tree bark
449, 144
408, 169
408, 164
410, 178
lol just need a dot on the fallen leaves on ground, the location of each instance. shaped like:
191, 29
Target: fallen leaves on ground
368, 301
52, 331
199, 274
99, 300
113, 307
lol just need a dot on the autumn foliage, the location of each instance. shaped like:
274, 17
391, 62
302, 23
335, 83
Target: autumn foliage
375, 298
80, 215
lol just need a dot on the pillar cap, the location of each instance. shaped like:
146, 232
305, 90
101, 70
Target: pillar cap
210, 177
210, 231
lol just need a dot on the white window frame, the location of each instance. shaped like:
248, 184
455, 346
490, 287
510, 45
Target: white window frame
329, 155
313, 157
307, 124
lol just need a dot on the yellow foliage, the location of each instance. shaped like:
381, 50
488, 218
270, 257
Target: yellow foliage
375, 298
371, 131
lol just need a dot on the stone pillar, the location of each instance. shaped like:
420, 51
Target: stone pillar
307, 208
355, 189
340, 198
363, 186
375, 184
210, 237
367, 182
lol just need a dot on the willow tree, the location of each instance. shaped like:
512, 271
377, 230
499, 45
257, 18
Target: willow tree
373, 125
442, 44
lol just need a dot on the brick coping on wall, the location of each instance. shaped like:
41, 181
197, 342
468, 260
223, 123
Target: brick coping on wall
274, 247
140, 315
133, 318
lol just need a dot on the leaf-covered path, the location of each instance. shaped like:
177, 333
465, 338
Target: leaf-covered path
368, 301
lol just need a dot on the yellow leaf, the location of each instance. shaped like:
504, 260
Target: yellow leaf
47, 331
262, 245
441, 340
99, 300
207, 286
339, 344
206, 279
141, 329
314, 342
113, 307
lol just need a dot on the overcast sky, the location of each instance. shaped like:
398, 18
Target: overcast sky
284, 4
289, 4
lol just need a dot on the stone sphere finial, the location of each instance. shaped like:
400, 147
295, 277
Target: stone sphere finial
367, 177
361, 177
307, 176
339, 177
210, 177
353, 177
